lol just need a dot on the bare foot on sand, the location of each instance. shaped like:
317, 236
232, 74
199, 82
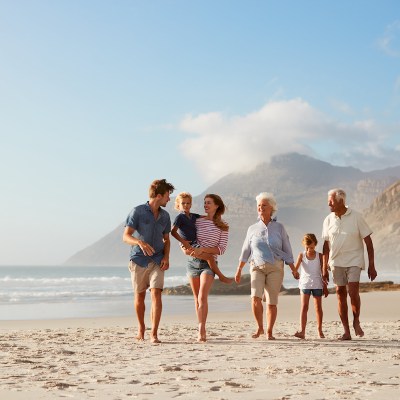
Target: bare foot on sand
321, 335
225, 279
202, 339
257, 333
300, 335
345, 336
357, 329
154, 339
270, 337
140, 334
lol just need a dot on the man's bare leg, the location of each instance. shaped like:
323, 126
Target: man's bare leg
354, 293
156, 310
341, 293
140, 308
258, 310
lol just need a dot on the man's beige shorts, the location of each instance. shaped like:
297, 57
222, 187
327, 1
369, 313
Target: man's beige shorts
143, 278
268, 277
343, 275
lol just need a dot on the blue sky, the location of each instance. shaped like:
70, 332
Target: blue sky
98, 98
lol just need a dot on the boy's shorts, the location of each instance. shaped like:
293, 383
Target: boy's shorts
143, 278
344, 275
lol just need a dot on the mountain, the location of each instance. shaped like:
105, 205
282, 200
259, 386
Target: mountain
383, 216
300, 185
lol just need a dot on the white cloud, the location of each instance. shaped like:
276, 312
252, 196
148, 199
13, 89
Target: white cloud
218, 144
389, 42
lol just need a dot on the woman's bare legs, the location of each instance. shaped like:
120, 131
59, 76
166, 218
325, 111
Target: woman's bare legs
272, 312
201, 288
258, 310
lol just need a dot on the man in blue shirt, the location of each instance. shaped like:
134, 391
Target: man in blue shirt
147, 229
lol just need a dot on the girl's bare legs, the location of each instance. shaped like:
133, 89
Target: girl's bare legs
305, 300
319, 314
201, 288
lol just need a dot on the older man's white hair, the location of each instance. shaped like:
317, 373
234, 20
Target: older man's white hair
270, 198
339, 194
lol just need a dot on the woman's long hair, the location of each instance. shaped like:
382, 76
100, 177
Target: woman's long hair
219, 223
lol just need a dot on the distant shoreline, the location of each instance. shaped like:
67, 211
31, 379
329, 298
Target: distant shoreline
244, 288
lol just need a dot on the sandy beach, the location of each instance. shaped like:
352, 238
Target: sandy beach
99, 358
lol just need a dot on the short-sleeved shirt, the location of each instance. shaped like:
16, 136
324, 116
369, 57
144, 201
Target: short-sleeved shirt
187, 226
345, 236
266, 243
150, 230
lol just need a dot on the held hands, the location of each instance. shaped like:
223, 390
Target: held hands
296, 274
238, 275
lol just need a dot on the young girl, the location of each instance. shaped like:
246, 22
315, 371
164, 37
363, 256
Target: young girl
184, 230
310, 282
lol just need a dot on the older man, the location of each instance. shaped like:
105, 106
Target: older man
344, 232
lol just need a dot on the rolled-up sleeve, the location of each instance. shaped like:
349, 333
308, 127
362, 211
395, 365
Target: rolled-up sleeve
246, 249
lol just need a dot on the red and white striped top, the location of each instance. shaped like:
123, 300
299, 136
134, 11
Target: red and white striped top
208, 235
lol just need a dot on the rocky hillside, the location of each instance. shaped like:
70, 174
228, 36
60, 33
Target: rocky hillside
300, 184
384, 218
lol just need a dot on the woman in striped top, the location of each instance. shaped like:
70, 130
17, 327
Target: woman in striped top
212, 236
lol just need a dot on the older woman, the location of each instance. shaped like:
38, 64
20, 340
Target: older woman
268, 248
212, 236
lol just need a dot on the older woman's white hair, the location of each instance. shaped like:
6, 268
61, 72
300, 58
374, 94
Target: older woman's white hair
339, 194
270, 198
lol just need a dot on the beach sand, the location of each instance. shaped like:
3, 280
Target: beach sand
99, 358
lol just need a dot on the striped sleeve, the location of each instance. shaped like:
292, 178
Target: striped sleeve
208, 235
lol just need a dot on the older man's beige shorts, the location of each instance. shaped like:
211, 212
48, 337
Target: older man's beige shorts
268, 277
344, 275
143, 278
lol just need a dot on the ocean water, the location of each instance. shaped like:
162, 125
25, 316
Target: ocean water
82, 292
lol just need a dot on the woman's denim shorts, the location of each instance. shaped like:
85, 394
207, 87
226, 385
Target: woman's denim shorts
196, 267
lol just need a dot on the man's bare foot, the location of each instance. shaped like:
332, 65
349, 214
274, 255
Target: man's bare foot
154, 339
225, 279
258, 333
321, 335
270, 337
345, 336
202, 339
139, 338
300, 335
357, 329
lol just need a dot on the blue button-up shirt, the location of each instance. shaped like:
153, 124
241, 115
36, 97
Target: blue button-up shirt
150, 230
265, 243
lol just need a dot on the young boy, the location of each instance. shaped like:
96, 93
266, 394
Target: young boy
184, 230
